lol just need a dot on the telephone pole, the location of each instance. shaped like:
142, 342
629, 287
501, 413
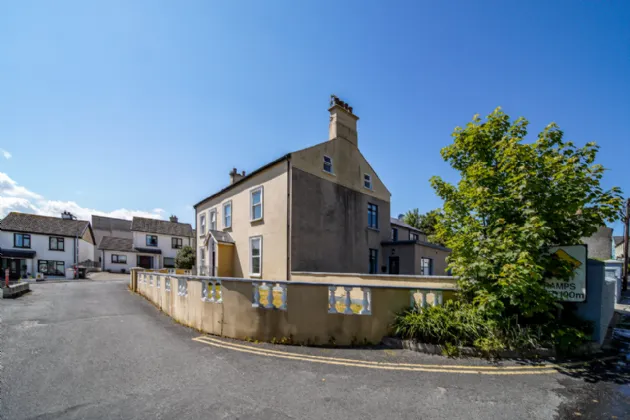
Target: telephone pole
626, 222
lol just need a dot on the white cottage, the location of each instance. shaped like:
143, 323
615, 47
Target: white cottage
31, 244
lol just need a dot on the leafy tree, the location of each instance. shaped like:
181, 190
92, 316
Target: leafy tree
412, 218
513, 202
185, 258
424, 222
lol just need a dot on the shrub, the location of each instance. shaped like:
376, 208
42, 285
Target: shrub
458, 324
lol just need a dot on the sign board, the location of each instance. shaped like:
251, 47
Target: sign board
573, 290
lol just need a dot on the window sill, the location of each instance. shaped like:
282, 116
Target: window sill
59, 250
257, 276
260, 219
329, 173
373, 229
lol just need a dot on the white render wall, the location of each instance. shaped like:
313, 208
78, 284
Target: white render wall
114, 267
40, 244
164, 244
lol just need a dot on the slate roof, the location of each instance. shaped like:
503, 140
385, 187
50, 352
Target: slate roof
398, 222
111, 243
618, 240
45, 225
163, 227
221, 236
110, 223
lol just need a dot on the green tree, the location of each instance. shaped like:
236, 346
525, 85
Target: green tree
513, 202
426, 223
185, 258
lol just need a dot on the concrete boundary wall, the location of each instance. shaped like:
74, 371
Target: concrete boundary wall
233, 308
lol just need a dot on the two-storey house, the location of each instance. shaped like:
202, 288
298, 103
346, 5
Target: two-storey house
109, 226
154, 244
409, 252
322, 208
31, 244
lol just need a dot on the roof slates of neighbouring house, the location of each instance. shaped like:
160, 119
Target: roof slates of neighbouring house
162, 227
398, 222
618, 240
45, 225
111, 243
110, 223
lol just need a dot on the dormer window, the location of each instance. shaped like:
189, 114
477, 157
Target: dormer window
367, 181
328, 165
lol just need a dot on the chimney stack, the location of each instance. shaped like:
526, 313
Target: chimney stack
343, 123
173, 218
235, 176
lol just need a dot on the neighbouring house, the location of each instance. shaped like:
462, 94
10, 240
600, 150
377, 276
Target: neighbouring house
154, 244
409, 252
618, 247
322, 208
111, 227
31, 244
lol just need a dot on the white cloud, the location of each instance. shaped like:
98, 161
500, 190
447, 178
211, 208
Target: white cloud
6, 154
14, 197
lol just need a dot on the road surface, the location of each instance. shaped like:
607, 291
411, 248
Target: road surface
94, 350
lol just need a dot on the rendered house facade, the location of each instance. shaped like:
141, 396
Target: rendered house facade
31, 244
153, 244
322, 208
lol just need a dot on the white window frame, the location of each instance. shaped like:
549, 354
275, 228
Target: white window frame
212, 213
202, 224
251, 256
368, 178
225, 224
332, 169
251, 203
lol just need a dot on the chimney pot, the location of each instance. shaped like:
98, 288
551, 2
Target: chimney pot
173, 218
235, 176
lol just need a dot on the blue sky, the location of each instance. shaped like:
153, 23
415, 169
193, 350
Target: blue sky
155, 101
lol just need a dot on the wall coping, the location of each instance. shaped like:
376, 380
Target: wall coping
384, 284
377, 276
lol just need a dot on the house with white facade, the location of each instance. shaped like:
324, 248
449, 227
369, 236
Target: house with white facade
109, 226
154, 244
31, 244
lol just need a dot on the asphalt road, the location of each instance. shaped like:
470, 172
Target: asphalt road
93, 350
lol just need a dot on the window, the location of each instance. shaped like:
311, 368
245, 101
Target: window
119, 259
256, 198
51, 268
255, 256
394, 234
328, 165
202, 225
413, 236
21, 240
227, 215
55, 244
367, 181
213, 220
169, 262
372, 216
152, 240
426, 266
202, 258
176, 243
373, 261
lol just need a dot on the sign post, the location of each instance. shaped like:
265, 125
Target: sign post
6, 277
573, 290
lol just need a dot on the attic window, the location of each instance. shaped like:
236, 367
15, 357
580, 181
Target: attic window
328, 167
367, 181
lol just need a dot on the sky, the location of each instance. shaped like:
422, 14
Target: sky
127, 108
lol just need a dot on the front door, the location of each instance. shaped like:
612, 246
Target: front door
145, 261
394, 265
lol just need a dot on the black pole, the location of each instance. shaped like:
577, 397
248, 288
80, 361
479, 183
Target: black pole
626, 221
